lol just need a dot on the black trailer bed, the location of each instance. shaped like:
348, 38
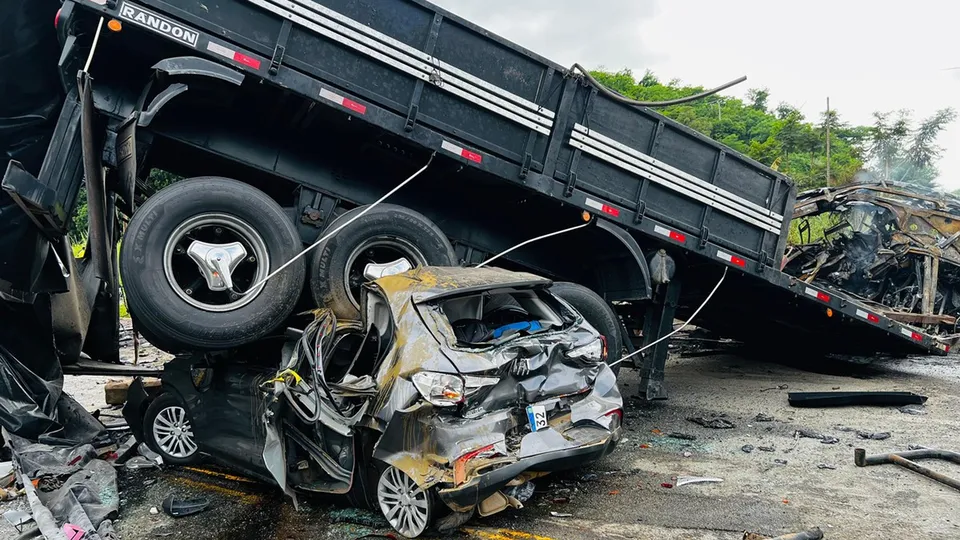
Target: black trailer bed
440, 82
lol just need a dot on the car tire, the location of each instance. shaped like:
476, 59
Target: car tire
168, 430
172, 304
598, 313
414, 518
385, 233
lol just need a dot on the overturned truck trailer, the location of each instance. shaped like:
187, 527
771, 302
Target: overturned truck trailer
285, 120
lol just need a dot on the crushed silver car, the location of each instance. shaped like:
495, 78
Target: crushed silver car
457, 387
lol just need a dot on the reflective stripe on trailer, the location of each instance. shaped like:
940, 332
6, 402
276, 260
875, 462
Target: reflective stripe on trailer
231, 54
605, 208
342, 101
813, 293
943, 347
916, 336
868, 316
732, 259
673, 235
461, 151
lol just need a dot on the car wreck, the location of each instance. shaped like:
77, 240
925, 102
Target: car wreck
456, 385
892, 245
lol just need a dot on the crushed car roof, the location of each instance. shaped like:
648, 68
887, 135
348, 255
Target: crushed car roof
434, 282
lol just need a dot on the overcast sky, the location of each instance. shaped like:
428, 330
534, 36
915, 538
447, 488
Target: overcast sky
870, 56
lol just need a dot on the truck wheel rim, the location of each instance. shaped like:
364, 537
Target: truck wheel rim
186, 276
377, 250
403, 503
173, 434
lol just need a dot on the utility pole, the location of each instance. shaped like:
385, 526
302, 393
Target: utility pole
828, 141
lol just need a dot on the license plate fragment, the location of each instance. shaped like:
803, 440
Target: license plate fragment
537, 415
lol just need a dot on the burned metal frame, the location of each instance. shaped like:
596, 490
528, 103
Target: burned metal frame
901, 255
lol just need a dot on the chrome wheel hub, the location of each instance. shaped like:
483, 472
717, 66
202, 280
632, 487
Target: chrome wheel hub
403, 503
173, 434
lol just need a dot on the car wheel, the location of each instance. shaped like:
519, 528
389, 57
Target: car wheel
191, 255
598, 313
407, 507
385, 235
168, 431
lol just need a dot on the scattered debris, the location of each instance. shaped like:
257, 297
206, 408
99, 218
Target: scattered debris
589, 477
153, 510
681, 436
747, 448
873, 436
827, 466
766, 449
810, 534
614, 492
684, 480
844, 399
829, 439
916, 447
916, 410
560, 500
522, 493
9, 494
146, 452
712, 423
780, 461
760, 417
140, 462
904, 459
667, 485
17, 518
560, 514
175, 507
778, 387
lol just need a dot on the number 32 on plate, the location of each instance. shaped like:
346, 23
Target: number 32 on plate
537, 415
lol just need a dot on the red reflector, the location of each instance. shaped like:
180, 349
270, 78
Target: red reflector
946, 348
472, 156
56, 19
607, 209
246, 60
738, 261
470, 455
823, 297
678, 237
916, 336
354, 106
873, 318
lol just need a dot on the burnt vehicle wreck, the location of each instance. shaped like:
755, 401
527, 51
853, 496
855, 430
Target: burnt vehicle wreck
894, 246
457, 385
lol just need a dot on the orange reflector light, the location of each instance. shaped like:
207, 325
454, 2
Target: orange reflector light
829, 312
115, 25
585, 215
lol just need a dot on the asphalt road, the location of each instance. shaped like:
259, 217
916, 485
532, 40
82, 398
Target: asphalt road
799, 483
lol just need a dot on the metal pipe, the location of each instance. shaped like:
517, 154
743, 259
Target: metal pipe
627, 101
861, 459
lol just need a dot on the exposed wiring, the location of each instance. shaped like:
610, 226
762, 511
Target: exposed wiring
324, 238
530, 241
93, 47
627, 101
682, 326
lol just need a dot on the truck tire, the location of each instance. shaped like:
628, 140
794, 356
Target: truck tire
598, 313
385, 234
175, 306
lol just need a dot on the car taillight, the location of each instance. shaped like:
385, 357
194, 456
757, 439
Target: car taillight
616, 417
56, 19
460, 466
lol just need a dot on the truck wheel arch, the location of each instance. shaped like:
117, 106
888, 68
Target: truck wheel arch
639, 273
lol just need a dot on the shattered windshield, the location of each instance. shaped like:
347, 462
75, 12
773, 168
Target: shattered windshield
493, 317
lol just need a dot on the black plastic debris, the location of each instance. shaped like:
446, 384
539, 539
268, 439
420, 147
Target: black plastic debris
712, 423
763, 418
883, 435
846, 399
682, 436
747, 448
175, 507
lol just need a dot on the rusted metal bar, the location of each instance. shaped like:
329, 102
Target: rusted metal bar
861, 459
919, 318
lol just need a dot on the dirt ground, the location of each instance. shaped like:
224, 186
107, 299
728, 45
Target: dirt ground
785, 484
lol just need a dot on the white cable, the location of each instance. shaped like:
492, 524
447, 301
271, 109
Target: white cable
682, 326
521, 244
370, 207
93, 48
